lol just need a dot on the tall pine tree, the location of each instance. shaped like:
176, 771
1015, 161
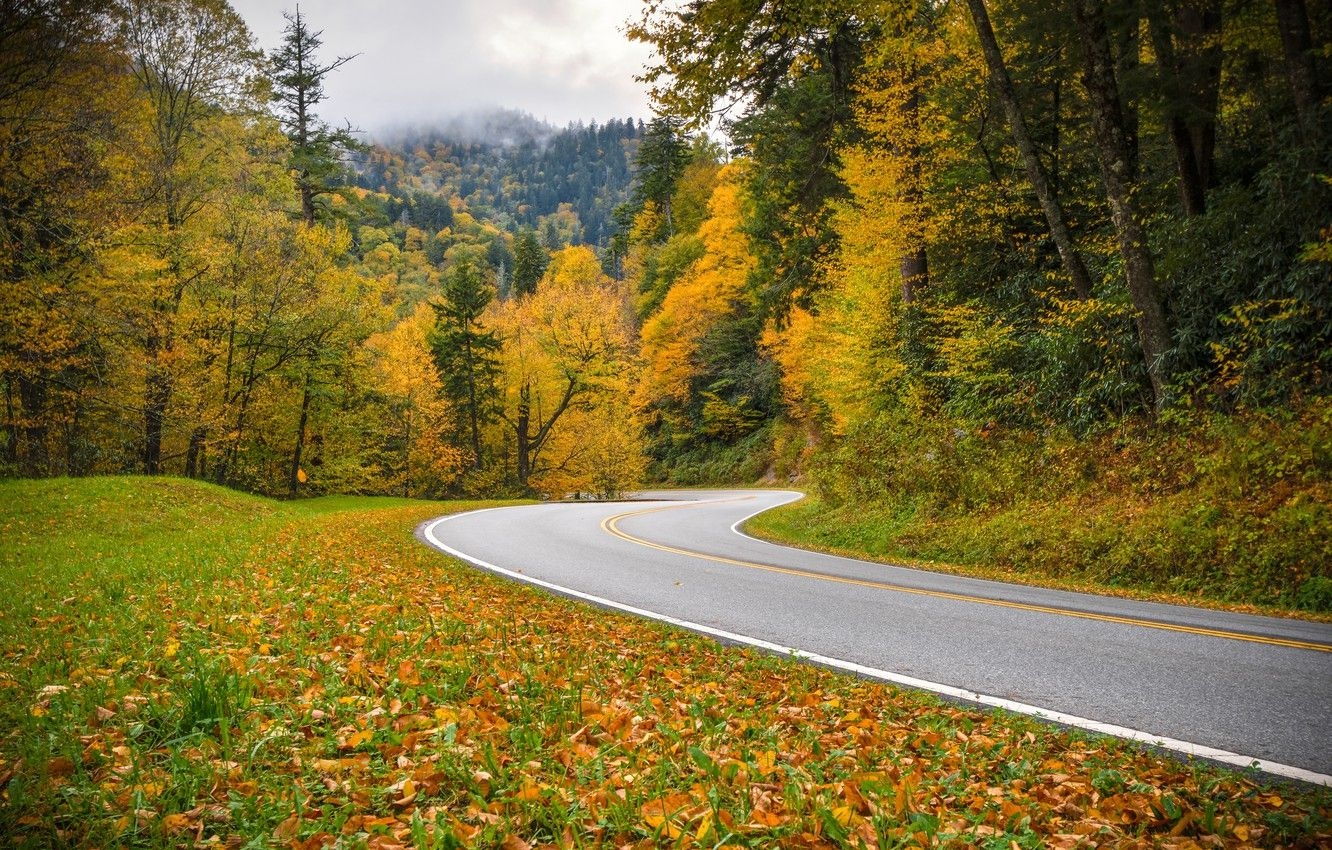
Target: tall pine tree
298, 86
529, 262
465, 353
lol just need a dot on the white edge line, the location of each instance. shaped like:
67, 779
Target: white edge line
1190, 749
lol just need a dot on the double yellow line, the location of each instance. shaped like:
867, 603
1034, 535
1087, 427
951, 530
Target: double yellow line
611, 526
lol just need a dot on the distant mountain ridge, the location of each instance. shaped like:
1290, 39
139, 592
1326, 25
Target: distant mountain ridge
497, 127
511, 169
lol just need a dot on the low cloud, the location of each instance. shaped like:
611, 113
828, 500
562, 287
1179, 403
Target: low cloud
422, 60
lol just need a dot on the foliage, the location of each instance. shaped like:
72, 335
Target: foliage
1218, 508
512, 170
466, 354
700, 380
564, 372
166, 691
421, 454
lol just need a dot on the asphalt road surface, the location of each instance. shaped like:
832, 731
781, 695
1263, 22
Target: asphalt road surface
1230, 687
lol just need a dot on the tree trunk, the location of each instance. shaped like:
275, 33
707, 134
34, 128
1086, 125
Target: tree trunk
1200, 24
307, 201
11, 426
195, 457
523, 422
1031, 161
1301, 73
36, 461
914, 263
1190, 77
473, 414
1113, 151
915, 274
156, 397
294, 477
1125, 53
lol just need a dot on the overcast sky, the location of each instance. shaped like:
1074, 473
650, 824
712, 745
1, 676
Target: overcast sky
560, 60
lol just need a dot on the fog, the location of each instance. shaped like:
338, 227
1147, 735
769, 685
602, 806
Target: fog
422, 61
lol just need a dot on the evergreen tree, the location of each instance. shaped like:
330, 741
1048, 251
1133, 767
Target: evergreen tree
465, 353
662, 156
298, 86
550, 235
529, 262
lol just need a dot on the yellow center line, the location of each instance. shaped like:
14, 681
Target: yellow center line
611, 526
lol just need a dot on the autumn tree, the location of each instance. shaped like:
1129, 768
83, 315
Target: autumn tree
465, 353
417, 456
788, 69
317, 149
702, 377
191, 59
566, 349
63, 103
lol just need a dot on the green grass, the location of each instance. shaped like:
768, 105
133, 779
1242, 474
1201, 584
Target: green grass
181, 665
1232, 511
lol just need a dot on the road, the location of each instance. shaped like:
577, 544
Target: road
1231, 687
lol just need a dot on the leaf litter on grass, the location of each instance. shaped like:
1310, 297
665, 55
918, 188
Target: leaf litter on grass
333, 682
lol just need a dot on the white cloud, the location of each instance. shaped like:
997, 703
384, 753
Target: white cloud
421, 59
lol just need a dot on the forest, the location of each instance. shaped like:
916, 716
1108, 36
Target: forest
1038, 282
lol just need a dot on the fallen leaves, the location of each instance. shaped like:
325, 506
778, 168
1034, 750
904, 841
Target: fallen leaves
336, 682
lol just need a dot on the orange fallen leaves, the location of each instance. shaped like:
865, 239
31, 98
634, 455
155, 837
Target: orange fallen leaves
394, 707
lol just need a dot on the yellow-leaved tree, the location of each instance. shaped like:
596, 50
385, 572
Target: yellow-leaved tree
704, 296
565, 365
414, 455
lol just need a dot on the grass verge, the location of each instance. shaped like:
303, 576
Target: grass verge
184, 666
1229, 511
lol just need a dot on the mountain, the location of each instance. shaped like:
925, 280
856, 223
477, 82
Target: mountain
512, 170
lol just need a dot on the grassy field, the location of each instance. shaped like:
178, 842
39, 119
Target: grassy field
183, 666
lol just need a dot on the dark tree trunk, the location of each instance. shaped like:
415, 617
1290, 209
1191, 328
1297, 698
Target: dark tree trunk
307, 202
1115, 155
1126, 39
11, 426
915, 274
1190, 77
294, 477
1192, 192
521, 426
1031, 161
473, 413
195, 457
156, 399
1301, 72
1200, 23
529, 444
35, 457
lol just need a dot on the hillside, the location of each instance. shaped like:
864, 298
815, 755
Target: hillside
509, 169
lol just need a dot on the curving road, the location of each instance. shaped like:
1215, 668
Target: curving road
1230, 687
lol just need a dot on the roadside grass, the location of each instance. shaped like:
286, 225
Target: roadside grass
1023, 543
1231, 512
182, 666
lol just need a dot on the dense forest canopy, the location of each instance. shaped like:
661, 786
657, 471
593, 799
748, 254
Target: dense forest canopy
932, 224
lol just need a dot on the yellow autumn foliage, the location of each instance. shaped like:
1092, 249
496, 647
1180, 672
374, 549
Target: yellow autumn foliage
702, 297
565, 365
405, 373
